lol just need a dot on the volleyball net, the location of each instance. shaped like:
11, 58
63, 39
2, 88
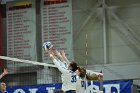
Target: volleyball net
15, 64
10, 59
34, 73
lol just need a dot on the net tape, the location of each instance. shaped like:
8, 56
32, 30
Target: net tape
27, 61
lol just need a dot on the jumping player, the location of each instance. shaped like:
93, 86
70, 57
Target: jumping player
68, 72
83, 76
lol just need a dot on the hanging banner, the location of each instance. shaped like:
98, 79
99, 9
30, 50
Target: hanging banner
108, 87
21, 30
57, 25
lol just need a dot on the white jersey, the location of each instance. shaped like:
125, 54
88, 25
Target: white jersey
80, 85
81, 82
68, 76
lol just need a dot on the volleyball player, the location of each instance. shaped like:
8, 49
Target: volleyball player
3, 88
68, 72
2, 84
83, 76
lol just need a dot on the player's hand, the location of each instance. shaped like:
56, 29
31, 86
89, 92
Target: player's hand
62, 52
57, 53
100, 77
5, 71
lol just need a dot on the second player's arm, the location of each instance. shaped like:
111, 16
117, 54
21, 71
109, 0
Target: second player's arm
4, 73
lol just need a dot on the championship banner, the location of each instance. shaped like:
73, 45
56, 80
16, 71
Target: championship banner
108, 87
57, 25
21, 30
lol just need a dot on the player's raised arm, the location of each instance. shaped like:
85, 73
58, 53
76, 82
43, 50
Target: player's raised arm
5, 72
58, 55
91, 75
62, 52
51, 53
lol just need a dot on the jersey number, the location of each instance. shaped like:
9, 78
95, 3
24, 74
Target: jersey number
73, 78
82, 84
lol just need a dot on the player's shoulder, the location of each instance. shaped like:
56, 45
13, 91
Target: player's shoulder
89, 71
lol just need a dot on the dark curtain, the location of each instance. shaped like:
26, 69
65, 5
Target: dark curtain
1, 65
